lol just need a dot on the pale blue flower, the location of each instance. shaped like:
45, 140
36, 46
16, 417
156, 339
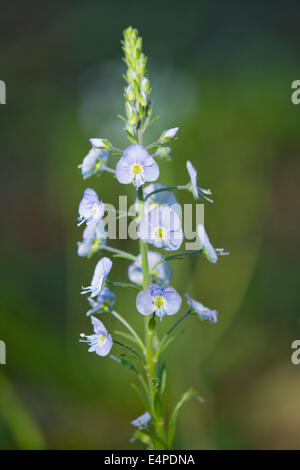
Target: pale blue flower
159, 300
142, 421
203, 312
169, 134
207, 250
162, 273
94, 236
163, 197
105, 301
100, 143
91, 210
136, 166
199, 193
161, 227
93, 162
101, 341
101, 272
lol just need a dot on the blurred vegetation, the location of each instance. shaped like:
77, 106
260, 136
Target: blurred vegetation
222, 73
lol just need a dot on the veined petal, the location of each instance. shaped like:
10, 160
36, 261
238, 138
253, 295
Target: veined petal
173, 300
144, 303
208, 250
98, 326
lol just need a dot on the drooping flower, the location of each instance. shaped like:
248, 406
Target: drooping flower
101, 272
199, 193
203, 312
91, 210
207, 250
136, 166
162, 274
94, 236
142, 421
93, 162
161, 227
105, 301
168, 134
101, 341
163, 301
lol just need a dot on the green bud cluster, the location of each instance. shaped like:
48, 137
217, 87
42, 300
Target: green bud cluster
137, 89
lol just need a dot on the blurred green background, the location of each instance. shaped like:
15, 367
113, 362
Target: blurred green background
222, 72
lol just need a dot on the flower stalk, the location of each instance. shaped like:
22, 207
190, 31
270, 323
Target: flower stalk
149, 272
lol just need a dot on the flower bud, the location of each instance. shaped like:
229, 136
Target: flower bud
169, 134
164, 153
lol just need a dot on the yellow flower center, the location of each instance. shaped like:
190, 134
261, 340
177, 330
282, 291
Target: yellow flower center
136, 169
159, 302
159, 233
101, 338
95, 209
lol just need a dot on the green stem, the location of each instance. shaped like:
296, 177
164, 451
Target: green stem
150, 363
168, 188
109, 170
125, 254
179, 321
129, 348
165, 337
129, 328
178, 255
122, 284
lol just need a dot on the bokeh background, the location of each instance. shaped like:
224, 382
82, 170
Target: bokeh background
222, 72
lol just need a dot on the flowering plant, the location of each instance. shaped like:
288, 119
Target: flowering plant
159, 225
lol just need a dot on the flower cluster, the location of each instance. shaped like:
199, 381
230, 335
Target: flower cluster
158, 225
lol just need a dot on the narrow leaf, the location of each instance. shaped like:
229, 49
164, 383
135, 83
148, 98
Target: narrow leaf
172, 422
127, 336
143, 437
142, 395
124, 362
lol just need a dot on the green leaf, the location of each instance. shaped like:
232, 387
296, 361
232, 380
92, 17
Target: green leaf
157, 441
142, 396
157, 404
122, 255
151, 122
163, 378
124, 362
165, 343
24, 429
172, 422
143, 437
121, 117
131, 137
127, 336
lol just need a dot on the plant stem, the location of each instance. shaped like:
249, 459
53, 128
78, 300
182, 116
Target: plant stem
122, 284
150, 363
168, 188
129, 328
178, 255
129, 348
125, 254
179, 321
